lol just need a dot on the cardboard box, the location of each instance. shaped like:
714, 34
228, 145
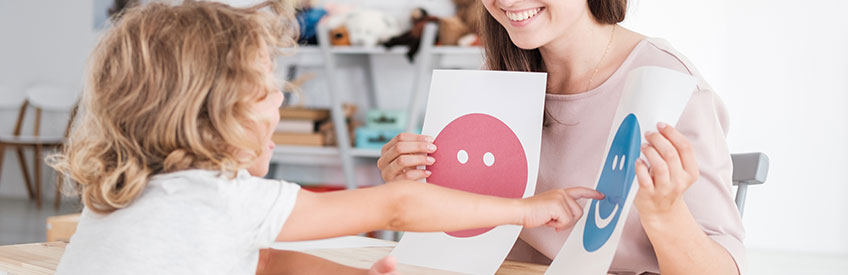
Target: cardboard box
369, 138
385, 119
61, 228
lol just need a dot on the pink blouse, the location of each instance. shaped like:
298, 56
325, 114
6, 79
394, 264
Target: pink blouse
573, 145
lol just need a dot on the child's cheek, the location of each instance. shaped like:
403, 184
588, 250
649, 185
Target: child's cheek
271, 121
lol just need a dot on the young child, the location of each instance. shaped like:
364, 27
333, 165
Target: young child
175, 132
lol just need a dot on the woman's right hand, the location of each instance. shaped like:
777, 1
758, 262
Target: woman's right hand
401, 156
557, 208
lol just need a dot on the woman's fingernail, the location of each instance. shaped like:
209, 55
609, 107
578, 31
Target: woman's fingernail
430, 160
661, 125
644, 145
649, 132
427, 172
431, 147
429, 139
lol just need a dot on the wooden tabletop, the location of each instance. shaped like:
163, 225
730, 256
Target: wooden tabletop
33, 258
42, 258
366, 256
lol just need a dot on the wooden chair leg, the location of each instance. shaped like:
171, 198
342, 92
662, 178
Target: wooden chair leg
25, 172
37, 162
2, 156
58, 199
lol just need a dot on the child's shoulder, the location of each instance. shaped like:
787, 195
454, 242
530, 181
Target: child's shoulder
218, 187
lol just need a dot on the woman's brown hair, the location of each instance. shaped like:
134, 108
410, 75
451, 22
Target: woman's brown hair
170, 88
502, 55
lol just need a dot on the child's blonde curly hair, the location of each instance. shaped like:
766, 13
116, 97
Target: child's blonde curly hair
169, 88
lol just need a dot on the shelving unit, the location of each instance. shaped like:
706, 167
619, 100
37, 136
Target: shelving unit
344, 153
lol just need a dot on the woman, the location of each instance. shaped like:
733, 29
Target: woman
685, 220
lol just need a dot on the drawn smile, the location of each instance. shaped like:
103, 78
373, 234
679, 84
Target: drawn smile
615, 182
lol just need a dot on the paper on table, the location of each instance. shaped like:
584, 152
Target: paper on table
487, 126
650, 95
332, 243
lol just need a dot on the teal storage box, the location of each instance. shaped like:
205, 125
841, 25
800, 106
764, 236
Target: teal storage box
370, 138
384, 119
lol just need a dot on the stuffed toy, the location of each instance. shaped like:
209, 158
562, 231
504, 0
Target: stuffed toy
469, 12
339, 36
308, 18
463, 28
455, 30
368, 28
334, 22
412, 38
451, 29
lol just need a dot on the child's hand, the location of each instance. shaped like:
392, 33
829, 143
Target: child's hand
557, 208
385, 266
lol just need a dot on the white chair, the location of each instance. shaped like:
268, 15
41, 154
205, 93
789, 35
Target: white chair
40, 98
748, 169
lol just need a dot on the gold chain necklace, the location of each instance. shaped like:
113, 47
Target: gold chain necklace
595, 71
609, 44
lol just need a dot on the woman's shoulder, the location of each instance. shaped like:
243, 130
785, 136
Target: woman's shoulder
654, 51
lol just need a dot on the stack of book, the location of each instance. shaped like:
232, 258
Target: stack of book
308, 126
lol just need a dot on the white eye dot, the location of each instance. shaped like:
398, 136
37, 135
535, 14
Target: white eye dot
462, 156
488, 159
614, 162
621, 165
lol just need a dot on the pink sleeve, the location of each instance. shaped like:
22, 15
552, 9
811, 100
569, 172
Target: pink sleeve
710, 198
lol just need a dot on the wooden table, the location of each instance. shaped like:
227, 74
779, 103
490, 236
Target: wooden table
42, 258
33, 258
366, 256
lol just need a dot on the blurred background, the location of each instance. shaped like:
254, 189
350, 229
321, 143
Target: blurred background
781, 68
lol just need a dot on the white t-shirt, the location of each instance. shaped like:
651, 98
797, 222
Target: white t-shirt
187, 222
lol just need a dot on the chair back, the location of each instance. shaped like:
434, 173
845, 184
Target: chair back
748, 169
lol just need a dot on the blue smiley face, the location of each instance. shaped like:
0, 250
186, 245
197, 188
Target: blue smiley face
616, 178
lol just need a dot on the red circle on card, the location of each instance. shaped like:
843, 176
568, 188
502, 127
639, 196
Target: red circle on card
479, 153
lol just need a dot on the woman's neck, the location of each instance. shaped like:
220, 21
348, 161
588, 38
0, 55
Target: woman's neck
571, 59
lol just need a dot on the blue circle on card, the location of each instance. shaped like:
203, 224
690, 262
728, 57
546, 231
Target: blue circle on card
616, 178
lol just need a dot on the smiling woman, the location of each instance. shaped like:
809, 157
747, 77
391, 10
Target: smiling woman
523, 53
685, 220
586, 55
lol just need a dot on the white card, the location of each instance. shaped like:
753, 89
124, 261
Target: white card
488, 131
650, 95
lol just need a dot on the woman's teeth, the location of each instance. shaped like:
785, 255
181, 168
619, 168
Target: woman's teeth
522, 15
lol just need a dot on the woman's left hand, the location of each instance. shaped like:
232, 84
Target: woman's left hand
673, 168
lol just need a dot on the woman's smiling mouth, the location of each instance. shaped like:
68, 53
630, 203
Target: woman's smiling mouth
522, 15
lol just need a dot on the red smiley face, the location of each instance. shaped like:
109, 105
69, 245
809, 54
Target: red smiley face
478, 153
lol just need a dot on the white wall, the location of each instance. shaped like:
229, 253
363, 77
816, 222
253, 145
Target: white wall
782, 69
42, 42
